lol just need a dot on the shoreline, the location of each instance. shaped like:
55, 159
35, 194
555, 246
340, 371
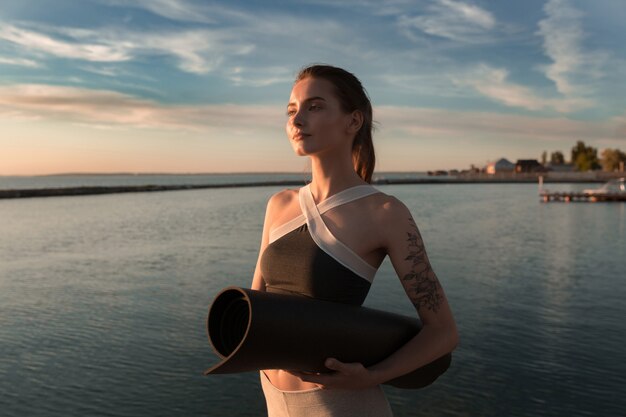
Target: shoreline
593, 177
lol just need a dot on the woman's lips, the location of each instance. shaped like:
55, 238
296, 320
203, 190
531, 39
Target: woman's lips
300, 136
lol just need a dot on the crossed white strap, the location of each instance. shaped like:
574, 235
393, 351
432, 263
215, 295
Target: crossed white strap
322, 236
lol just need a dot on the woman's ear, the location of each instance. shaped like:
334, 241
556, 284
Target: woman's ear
355, 122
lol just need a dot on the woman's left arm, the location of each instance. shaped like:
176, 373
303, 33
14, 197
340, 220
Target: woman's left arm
407, 253
405, 247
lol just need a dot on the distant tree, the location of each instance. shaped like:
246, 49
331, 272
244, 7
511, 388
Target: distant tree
584, 157
611, 159
544, 157
557, 158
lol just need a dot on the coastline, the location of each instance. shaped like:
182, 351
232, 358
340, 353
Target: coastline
474, 178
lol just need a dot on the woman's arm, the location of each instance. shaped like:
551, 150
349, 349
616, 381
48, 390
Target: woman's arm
273, 204
257, 279
407, 253
404, 245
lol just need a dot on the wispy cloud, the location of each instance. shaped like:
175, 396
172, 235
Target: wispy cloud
262, 35
100, 107
197, 50
43, 43
427, 83
451, 19
421, 123
184, 10
206, 38
107, 108
19, 62
259, 77
376, 7
171, 9
562, 38
494, 84
106, 71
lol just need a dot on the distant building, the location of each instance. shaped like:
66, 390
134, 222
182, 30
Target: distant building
438, 173
501, 165
560, 167
529, 165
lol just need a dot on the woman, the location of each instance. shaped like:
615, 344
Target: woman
326, 240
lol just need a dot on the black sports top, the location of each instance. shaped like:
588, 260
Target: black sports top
303, 256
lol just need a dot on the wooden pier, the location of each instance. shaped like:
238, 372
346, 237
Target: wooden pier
571, 197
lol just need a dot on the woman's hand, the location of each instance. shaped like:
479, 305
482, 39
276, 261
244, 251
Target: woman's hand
346, 376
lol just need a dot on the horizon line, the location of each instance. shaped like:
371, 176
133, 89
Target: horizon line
183, 173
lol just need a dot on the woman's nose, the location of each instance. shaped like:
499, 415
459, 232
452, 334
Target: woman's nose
298, 119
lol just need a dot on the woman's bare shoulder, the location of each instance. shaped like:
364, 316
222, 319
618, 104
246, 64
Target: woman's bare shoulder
283, 197
392, 219
280, 202
388, 207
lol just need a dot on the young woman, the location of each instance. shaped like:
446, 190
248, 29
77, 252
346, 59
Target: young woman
327, 239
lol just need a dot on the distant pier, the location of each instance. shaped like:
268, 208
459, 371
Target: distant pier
571, 197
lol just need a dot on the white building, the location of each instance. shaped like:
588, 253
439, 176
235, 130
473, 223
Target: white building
501, 165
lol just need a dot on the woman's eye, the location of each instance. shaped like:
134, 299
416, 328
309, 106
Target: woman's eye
312, 107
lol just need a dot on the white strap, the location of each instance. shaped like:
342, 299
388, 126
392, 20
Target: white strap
285, 228
345, 196
342, 197
329, 243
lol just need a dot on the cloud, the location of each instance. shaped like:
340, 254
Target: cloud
197, 50
107, 108
431, 83
40, 42
205, 38
562, 38
375, 7
268, 31
19, 62
259, 77
106, 71
492, 83
470, 13
101, 107
171, 9
421, 123
183, 10
451, 19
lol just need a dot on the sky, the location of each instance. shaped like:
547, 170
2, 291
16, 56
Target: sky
190, 86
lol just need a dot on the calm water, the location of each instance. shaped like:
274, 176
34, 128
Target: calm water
103, 301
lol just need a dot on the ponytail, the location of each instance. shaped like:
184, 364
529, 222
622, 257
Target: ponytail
363, 155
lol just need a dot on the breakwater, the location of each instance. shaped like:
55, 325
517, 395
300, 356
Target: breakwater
477, 178
78, 191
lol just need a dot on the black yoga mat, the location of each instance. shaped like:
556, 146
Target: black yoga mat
251, 330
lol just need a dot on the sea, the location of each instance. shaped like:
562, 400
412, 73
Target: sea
103, 299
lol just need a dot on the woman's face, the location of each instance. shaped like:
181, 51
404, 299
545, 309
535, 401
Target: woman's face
316, 123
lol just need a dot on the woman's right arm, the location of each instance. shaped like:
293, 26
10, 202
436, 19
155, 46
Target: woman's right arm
258, 283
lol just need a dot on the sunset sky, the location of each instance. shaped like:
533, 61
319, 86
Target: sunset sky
201, 86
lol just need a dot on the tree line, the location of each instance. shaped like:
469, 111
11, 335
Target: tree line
585, 158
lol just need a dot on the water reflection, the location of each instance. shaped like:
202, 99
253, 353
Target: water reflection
103, 300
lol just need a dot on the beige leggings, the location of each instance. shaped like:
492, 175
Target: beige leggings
317, 402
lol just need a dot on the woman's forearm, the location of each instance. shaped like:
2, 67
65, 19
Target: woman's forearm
429, 344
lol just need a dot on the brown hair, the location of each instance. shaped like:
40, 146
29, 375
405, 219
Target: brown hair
352, 96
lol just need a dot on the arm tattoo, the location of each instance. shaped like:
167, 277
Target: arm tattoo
424, 283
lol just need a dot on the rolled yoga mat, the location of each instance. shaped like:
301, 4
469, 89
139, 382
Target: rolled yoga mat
252, 330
